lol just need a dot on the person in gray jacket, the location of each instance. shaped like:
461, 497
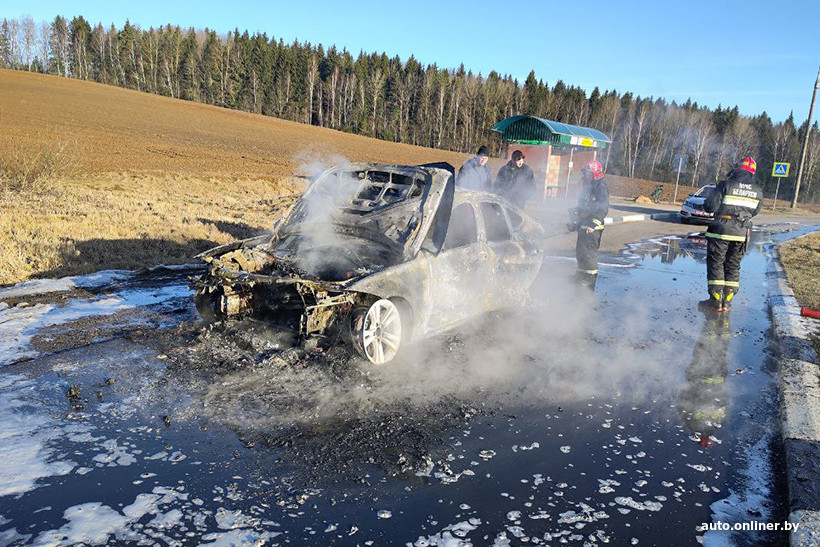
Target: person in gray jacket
475, 173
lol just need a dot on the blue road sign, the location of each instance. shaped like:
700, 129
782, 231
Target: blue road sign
780, 169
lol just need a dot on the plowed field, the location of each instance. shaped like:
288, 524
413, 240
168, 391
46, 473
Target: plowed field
122, 130
144, 179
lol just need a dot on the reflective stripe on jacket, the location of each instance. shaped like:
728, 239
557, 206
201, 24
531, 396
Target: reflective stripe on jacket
593, 204
734, 202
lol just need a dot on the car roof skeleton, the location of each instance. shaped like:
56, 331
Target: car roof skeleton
405, 201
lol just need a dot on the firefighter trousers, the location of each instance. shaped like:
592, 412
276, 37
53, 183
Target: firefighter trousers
586, 254
723, 264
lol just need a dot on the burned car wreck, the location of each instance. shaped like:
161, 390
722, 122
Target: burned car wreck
381, 255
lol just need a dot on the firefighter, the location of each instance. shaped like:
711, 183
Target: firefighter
734, 202
593, 204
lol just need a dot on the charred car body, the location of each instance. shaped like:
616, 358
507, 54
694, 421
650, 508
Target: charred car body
381, 254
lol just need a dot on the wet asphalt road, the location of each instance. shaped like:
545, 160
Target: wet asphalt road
632, 420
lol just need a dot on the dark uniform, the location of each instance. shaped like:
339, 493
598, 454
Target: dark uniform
734, 202
593, 204
517, 184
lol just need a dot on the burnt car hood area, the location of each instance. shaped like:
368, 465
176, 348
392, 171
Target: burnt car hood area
378, 255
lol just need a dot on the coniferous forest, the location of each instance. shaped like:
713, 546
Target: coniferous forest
405, 100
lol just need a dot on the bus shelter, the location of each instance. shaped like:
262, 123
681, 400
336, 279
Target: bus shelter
551, 150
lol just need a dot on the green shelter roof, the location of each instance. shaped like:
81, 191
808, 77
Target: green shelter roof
533, 130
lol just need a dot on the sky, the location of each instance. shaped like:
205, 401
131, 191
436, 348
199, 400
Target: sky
759, 56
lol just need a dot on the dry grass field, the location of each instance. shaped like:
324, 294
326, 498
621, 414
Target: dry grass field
801, 257
113, 178
95, 177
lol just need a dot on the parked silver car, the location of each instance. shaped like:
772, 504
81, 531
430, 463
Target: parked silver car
692, 208
383, 254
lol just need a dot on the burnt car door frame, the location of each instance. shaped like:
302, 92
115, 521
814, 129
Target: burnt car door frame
459, 276
514, 269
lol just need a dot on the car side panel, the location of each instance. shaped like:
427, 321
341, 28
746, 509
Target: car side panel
409, 281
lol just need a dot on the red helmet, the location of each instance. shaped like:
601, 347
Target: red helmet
747, 164
595, 168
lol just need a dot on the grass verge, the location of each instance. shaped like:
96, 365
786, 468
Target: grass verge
801, 259
129, 221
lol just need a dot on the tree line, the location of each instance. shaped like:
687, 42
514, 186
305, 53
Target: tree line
405, 100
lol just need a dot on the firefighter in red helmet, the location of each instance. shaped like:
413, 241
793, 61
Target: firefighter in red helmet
734, 202
593, 204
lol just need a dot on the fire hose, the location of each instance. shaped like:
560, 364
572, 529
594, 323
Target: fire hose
808, 312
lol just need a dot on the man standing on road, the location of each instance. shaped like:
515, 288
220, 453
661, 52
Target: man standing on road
515, 180
475, 173
734, 202
593, 204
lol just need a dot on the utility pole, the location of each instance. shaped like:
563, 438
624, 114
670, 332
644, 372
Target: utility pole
805, 141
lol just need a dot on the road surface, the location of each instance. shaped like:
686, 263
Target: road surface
631, 420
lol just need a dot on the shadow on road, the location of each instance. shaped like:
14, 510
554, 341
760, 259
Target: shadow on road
81, 257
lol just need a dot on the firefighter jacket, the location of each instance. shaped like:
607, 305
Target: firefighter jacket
734, 202
593, 204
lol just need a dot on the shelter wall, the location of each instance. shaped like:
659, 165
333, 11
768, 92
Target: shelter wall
551, 167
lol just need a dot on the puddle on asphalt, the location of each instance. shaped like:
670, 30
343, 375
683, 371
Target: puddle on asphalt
632, 420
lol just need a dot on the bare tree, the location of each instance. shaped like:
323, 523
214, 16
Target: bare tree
606, 116
812, 161
658, 135
29, 40
779, 141
60, 46
634, 124
44, 45
377, 79
701, 130
11, 31
313, 70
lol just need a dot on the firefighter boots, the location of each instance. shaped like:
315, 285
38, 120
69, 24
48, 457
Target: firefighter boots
728, 294
714, 302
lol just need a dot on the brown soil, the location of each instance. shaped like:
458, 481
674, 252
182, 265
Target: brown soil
123, 179
122, 130
148, 179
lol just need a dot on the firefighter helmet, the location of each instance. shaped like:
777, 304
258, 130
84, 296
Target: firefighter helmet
595, 168
747, 164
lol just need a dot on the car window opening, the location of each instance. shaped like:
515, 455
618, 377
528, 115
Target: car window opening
494, 222
462, 228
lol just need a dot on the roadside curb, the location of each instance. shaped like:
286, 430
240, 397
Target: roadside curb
799, 390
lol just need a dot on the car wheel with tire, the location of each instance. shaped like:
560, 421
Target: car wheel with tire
377, 331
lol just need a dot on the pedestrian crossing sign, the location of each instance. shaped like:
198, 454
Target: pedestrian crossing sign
780, 169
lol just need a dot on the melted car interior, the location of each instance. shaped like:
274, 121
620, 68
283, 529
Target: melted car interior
378, 189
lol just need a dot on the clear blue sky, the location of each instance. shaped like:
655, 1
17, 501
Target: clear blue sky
754, 54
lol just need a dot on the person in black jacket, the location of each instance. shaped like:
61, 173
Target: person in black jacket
515, 180
475, 173
593, 204
734, 202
